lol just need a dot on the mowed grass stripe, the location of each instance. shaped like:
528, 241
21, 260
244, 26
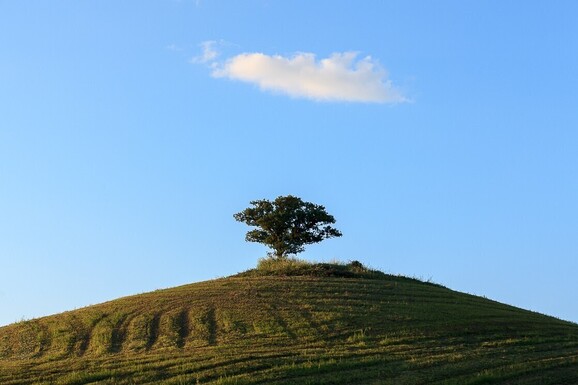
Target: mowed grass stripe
292, 329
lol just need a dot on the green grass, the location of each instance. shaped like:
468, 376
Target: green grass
294, 323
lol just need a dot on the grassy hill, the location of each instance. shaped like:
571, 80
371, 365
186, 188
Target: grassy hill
294, 324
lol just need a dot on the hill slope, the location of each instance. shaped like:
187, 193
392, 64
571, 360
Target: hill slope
254, 329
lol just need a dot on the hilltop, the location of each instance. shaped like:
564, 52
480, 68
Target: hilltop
295, 323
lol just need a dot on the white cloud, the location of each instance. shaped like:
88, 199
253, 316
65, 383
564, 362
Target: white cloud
174, 47
209, 53
340, 77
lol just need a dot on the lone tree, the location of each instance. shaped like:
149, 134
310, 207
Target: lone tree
287, 224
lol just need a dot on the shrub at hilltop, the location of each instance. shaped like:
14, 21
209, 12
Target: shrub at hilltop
293, 267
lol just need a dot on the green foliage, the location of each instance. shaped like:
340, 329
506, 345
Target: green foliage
287, 224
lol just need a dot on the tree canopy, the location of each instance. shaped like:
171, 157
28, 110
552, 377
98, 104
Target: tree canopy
287, 224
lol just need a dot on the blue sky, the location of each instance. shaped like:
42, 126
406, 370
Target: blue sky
441, 135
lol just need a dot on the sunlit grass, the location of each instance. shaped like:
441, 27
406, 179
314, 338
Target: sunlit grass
294, 322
